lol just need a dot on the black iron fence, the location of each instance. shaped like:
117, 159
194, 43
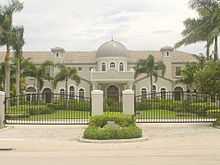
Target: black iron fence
42, 109
176, 107
112, 106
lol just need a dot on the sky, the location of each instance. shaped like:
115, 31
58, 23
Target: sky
83, 25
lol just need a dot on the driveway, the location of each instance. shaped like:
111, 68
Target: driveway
58, 145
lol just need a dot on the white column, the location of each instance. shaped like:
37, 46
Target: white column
97, 102
2, 109
128, 102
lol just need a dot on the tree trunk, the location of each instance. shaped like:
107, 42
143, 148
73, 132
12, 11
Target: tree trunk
151, 83
7, 72
18, 74
66, 92
216, 49
207, 51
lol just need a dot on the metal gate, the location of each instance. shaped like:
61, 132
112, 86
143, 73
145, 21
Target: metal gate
176, 107
40, 109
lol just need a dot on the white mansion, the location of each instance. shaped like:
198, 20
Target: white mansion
110, 69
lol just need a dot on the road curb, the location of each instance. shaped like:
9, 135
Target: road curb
134, 140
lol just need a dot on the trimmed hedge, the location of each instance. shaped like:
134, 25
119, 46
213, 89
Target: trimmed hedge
120, 119
74, 104
99, 129
217, 122
200, 108
27, 110
107, 133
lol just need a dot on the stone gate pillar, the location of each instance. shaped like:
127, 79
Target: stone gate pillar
128, 102
2, 109
97, 102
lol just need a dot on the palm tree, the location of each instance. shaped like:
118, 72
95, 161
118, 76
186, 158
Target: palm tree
151, 68
40, 73
195, 32
6, 35
17, 45
2, 76
65, 74
209, 14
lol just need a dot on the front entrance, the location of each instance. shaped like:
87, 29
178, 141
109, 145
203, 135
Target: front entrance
47, 95
112, 101
113, 93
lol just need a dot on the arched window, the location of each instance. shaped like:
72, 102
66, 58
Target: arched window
62, 93
112, 65
178, 93
163, 93
153, 90
144, 93
121, 67
32, 95
103, 66
72, 92
81, 94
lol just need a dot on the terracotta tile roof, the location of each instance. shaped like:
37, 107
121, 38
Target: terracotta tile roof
90, 57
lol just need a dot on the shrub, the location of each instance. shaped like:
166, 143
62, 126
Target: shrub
71, 104
217, 122
214, 113
112, 133
40, 109
125, 127
29, 110
120, 119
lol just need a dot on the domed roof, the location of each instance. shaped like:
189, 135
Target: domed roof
167, 48
111, 49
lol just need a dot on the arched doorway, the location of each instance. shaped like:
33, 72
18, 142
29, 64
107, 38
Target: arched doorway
31, 94
178, 93
47, 95
112, 102
113, 93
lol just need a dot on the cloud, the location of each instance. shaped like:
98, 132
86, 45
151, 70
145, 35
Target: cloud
84, 25
162, 31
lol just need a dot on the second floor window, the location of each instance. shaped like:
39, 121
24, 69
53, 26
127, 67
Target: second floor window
178, 71
103, 67
121, 68
72, 92
112, 65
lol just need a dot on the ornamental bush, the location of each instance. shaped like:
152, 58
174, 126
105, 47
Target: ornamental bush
120, 119
107, 133
217, 122
124, 128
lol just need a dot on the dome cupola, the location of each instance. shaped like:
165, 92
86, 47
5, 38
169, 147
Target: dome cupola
111, 49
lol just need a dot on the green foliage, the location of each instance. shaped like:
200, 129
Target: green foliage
199, 108
120, 119
74, 104
217, 122
27, 110
126, 127
150, 68
99, 133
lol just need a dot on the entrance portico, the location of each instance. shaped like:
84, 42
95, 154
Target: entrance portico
112, 75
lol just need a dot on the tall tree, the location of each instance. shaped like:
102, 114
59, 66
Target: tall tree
6, 35
151, 68
40, 73
17, 46
65, 74
204, 28
194, 32
2, 76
